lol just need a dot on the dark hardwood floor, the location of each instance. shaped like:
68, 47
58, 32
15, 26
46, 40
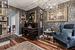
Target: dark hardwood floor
37, 42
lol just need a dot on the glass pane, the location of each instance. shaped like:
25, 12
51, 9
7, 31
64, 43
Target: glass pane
0, 4
0, 10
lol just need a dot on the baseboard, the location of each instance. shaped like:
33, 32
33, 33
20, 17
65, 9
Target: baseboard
20, 35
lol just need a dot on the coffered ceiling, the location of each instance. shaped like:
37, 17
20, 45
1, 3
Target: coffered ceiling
29, 4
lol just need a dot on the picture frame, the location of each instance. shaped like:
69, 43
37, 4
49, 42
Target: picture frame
32, 16
59, 15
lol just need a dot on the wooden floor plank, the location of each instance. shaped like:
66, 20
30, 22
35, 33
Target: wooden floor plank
37, 42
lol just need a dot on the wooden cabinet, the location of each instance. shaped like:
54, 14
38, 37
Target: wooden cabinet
31, 33
31, 22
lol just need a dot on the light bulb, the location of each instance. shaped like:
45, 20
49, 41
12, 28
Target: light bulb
46, 6
51, 7
5, 2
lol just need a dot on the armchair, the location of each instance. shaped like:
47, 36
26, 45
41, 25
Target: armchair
66, 36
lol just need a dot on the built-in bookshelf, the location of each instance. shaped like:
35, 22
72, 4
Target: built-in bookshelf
3, 23
3, 17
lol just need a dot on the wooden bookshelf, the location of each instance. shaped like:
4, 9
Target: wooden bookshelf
3, 22
3, 17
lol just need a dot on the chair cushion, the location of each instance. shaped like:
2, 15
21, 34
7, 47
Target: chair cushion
72, 38
67, 32
69, 26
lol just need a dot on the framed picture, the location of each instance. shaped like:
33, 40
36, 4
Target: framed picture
58, 15
32, 16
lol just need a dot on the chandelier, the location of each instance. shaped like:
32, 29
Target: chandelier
49, 4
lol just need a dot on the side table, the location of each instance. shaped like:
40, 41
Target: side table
49, 34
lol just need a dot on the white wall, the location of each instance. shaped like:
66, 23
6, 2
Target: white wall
12, 22
14, 19
17, 23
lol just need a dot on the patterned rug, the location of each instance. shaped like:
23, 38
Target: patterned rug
25, 46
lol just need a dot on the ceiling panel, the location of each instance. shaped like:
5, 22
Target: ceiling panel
29, 4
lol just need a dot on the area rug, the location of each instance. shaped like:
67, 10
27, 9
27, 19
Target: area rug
25, 46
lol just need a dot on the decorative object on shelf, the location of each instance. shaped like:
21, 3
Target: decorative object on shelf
57, 15
22, 20
3, 7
